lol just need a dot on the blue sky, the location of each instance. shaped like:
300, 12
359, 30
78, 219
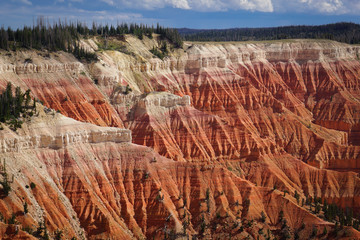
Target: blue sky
183, 13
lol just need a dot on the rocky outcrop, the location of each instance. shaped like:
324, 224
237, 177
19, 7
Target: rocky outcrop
29, 68
63, 140
54, 131
163, 100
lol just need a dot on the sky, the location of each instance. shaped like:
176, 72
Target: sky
198, 14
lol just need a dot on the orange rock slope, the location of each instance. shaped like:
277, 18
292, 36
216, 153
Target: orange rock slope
230, 133
249, 99
60, 82
93, 183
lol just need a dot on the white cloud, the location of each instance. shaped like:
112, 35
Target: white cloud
110, 2
197, 5
325, 6
183, 4
22, 14
319, 6
27, 2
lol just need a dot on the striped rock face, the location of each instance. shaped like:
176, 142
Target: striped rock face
200, 143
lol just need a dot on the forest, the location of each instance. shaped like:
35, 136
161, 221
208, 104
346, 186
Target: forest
64, 36
341, 32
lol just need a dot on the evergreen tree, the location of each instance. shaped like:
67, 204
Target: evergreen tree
26, 210
5, 182
281, 215
13, 108
325, 231
314, 232
297, 196
263, 217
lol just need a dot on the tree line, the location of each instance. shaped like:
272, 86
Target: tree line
341, 32
64, 36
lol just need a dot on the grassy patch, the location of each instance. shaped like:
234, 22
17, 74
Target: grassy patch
112, 44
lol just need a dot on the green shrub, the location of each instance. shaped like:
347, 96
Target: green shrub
12, 219
32, 185
26, 210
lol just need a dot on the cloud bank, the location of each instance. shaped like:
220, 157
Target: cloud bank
22, 14
319, 6
197, 5
26, 2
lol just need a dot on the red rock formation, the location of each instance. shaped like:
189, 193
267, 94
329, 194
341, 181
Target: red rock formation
78, 99
60, 82
288, 102
124, 189
254, 124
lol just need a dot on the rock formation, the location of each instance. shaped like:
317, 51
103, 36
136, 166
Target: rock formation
235, 137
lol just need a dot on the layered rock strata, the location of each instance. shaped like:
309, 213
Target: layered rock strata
126, 191
237, 126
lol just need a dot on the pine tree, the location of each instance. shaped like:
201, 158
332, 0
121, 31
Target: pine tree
325, 231
296, 196
314, 232
26, 210
5, 182
263, 217
281, 215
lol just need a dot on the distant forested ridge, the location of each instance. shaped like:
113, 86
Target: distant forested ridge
341, 32
64, 36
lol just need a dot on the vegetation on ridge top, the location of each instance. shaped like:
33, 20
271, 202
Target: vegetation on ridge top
65, 36
341, 32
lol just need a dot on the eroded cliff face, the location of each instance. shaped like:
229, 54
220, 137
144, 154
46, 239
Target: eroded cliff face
60, 82
227, 130
260, 98
119, 190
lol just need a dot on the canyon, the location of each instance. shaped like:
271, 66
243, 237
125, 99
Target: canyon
213, 141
